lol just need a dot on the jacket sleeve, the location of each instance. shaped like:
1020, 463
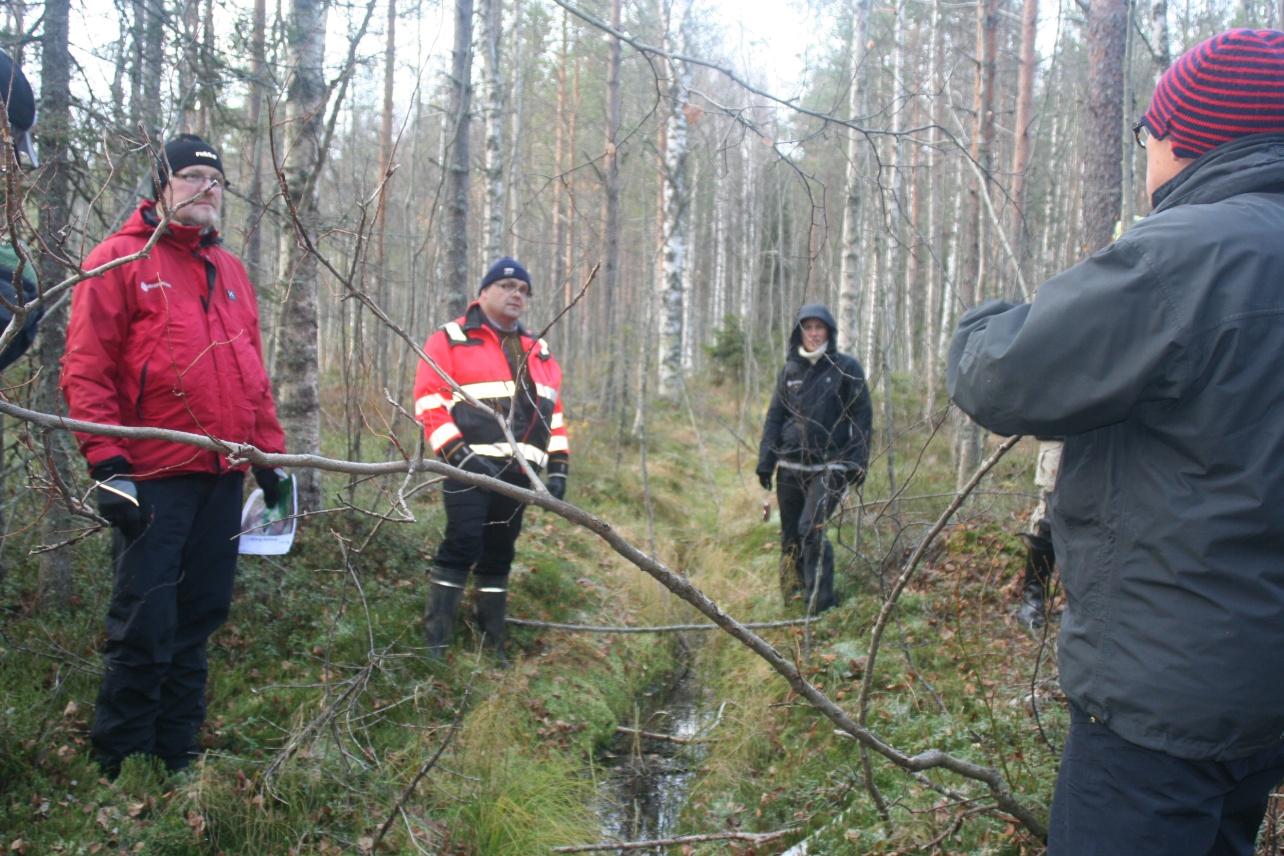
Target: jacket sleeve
434, 397
559, 447
269, 436
859, 409
1098, 340
771, 429
97, 335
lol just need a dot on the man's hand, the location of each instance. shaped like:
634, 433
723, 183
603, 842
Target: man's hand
764, 479
269, 479
556, 484
118, 496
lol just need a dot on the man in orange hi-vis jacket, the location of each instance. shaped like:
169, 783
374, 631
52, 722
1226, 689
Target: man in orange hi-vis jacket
492, 358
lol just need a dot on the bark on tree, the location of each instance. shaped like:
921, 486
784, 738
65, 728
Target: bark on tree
297, 379
849, 268
674, 237
1107, 31
55, 585
611, 212
1021, 130
455, 239
493, 119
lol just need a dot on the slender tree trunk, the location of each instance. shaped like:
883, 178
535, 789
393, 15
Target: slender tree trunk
611, 227
1021, 131
456, 220
1107, 30
935, 201
297, 378
676, 205
55, 585
968, 452
849, 268
257, 95
493, 119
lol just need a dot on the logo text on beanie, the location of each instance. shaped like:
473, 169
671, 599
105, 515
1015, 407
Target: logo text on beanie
509, 271
203, 154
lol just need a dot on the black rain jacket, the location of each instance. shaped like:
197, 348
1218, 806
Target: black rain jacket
1161, 360
820, 414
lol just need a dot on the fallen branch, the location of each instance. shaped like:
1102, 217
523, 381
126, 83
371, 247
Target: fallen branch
659, 628
677, 841
667, 738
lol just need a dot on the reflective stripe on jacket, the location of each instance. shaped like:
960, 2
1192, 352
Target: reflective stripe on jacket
168, 341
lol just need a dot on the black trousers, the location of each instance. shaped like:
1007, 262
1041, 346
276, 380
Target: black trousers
481, 527
807, 499
1115, 798
172, 589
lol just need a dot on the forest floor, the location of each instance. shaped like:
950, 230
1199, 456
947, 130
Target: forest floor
329, 732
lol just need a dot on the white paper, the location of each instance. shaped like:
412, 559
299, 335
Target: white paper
269, 532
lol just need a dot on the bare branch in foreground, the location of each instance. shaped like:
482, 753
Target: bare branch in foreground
658, 628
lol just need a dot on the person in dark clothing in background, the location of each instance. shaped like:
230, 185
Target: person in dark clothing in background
817, 436
20, 111
1158, 361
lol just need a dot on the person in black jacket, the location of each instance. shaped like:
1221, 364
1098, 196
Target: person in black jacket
19, 102
817, 433
1158, 360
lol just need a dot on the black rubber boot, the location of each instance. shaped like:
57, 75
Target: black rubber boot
492, 606
791, 583
1039, 562
820, 582
445, 588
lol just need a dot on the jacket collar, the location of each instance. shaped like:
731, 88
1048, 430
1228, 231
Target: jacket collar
475, 319
1252, 164
192, 238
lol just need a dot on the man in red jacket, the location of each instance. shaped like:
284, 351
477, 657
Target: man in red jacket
488, 354
168, 341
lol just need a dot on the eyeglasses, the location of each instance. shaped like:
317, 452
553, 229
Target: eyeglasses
192, 179
1140, 132
511, 285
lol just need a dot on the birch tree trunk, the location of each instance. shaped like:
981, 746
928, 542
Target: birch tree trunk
849, 269
455, 223
674, 251
296, 381
493, 118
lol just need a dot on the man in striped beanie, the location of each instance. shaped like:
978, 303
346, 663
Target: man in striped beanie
1158, 360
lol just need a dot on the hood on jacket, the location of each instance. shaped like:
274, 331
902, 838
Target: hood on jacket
819, 312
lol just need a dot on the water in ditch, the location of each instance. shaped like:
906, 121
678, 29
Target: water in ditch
645, 779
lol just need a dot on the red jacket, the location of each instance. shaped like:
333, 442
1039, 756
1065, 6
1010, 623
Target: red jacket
469, 351
168, 341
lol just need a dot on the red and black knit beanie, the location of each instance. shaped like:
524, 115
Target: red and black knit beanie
1226, 87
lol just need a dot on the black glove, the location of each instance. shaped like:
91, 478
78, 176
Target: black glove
463, 457
764, 479
558, 467
118, 496
556, 484
270, 478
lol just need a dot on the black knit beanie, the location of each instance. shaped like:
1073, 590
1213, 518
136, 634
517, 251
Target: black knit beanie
505, 268
183, 151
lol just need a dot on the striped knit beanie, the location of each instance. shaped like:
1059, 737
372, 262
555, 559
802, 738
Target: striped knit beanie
1229, 86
